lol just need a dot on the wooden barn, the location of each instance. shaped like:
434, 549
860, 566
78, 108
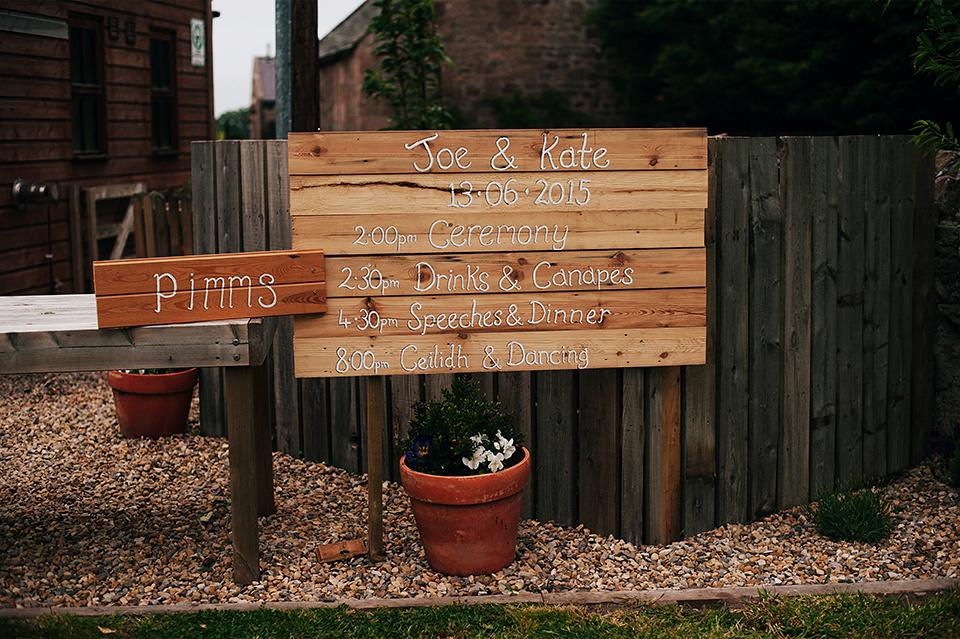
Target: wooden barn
98, 100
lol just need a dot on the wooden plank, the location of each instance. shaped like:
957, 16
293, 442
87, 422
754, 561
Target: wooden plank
849, 452
344, 424
314, 417
252, 210
189, 289
286, 388
433, 315
700, 396
239, 393
733, 201
653, 458
405, 392
143, 275
479, 194
765, 324
204, 181
388, 275
556, 436
633, 440
514, 394
467, 352
433, 385
228, 185
793, 485
671, 454
398, 233
924, 310
823, 315
374, 388
901, 305
599, 451
345, 153
876, 307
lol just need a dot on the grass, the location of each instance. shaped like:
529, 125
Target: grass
826, 617
848, 514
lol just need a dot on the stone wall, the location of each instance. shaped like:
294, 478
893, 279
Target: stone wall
947, 282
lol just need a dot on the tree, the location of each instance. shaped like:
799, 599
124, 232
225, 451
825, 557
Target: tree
938, 54
411, 61
234, 125
768, 68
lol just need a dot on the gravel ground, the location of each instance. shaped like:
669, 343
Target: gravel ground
89, 518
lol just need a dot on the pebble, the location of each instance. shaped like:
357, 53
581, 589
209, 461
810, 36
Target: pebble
89, 518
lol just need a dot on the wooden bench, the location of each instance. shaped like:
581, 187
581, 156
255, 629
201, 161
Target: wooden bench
58, 333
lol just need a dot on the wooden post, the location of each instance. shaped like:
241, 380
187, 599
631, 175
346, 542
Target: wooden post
375, 466
670, 459
241, 430
266, 500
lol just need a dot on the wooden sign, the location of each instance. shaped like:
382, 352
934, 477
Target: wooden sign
457, 251
176, 290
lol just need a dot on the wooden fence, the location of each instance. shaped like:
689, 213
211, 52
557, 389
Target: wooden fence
820, 254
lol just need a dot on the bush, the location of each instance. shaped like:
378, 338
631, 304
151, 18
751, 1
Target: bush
846, 514
463, 434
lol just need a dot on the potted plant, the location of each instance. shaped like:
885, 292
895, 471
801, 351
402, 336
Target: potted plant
152, 402
465, 470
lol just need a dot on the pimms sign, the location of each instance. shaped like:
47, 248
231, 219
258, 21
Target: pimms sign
459, 251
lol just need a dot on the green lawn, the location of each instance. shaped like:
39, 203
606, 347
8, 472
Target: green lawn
828, 617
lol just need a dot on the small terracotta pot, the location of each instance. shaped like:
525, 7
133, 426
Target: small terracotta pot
468, 525
152, 405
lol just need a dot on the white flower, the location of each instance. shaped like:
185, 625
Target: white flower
506, 445
479, 455
494, 461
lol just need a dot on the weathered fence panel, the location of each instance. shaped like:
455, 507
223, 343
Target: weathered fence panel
819, 365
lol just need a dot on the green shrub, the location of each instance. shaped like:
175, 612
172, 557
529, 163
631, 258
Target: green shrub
847, 514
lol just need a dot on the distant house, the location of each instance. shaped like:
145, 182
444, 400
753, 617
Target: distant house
514, 62
263, 106
92, 93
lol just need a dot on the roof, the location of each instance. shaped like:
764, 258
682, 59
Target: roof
345, 36
266, 70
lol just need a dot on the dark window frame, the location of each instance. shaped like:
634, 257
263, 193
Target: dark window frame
88, 87
164, 125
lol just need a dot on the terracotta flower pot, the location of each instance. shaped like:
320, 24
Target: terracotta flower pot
152, 405
468, 525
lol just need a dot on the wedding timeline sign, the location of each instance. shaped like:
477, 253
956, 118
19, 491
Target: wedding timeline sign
457, 251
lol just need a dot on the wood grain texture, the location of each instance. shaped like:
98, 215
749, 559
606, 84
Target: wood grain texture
733, 391
599, 451
498, 232
823, 315
434, 315
556, 435
466, 352
793, 462
766, 221
479, 195
345, 153
530, 272
632, 453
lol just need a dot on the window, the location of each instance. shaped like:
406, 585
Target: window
87, 102
163, 92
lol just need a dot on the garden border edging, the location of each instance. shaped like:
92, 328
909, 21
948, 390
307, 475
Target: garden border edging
734, 596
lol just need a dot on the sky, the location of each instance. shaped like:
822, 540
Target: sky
245, 30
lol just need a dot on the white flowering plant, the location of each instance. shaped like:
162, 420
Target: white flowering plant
463, 434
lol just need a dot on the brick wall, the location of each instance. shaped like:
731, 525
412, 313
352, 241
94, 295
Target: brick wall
498, 49
524, 47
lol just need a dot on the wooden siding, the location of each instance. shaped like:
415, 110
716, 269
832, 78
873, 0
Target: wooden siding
36, 136
819, 255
